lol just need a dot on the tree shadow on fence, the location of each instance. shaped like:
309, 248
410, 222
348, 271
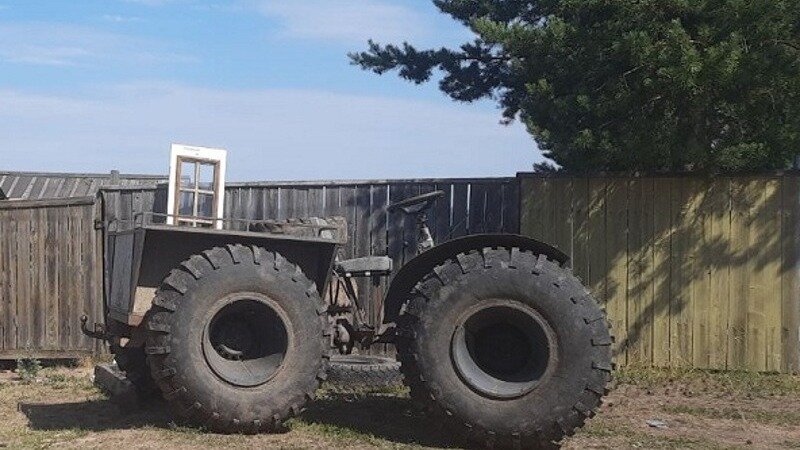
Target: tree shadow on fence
690, 268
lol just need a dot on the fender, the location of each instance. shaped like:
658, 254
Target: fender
424, 263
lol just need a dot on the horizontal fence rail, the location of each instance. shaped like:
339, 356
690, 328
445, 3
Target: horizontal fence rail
694, 271
50, 275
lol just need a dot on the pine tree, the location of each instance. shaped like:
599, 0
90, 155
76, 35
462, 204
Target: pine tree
709, 85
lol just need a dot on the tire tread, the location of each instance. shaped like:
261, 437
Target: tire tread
490, 259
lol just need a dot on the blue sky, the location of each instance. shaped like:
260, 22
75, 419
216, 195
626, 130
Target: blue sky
97, 85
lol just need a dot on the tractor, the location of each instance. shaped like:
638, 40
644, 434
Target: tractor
233, 327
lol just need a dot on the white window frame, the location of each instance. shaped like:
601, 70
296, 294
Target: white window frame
182, 153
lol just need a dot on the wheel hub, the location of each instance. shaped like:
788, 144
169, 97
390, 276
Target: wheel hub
246, 339
502, 348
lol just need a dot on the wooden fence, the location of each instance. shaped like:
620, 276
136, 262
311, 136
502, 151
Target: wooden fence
469, 206
43, 186
50, 274
694, 272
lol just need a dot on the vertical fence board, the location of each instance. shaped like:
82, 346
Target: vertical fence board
76, 270
662, 298
640, 271
56, 249
493, 211
350, 212
740, 273
561, 206
681, 271
717, 253
39, 300
24, 266
4, 299
460, 212
790, 282
617, 254
378, 246
316, 202
9, 246
442, 210
511, 207
580, 228
44, 323
699, 227
398, 223
596, 235
477, 208
361, 242
770, 248
756, 304
532, 214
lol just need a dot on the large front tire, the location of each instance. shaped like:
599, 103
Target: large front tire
236, 339
507, 346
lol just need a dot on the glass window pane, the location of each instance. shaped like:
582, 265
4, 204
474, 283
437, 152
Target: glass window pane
187, 174
205, 205
206, 177
186, 207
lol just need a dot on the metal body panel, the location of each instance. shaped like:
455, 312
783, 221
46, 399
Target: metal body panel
139, 259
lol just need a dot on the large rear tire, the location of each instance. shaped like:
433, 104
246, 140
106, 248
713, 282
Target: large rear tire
236, 339
507, 347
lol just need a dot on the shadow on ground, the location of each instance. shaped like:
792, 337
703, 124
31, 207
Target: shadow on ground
94, 415
386, 417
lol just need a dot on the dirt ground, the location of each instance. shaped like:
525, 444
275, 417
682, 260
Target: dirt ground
61, 408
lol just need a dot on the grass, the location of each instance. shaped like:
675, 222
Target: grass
28, 369
60, 407
780, 418
625, 436
738, 383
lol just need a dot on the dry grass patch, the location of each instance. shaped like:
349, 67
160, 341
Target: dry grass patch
702, 410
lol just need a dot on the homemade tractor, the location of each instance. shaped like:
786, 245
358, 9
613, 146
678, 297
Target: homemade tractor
233, 326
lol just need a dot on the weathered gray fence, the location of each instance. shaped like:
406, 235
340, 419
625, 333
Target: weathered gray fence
50, 274
469, 206
42, 186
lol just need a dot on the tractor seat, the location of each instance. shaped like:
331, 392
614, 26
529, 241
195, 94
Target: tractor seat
364, 267
415, 205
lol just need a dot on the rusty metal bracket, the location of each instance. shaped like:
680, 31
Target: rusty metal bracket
98, 330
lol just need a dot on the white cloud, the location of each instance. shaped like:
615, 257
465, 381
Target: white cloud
347, 20
152, 2
271, 134
118, 18
67, 45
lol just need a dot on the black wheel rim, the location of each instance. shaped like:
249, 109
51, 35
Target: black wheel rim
246, 339
503, 349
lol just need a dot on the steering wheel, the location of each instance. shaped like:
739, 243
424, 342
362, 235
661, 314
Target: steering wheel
416, 204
